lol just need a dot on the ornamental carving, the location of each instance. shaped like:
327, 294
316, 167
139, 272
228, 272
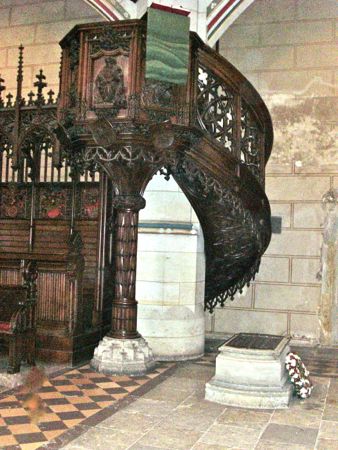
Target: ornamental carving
236, 234
108, 39
215, 108
74, 53
251, 141
129, 202
158, 93
109, 85
7, 119
14, 202
128, 154
90, 202
54, 202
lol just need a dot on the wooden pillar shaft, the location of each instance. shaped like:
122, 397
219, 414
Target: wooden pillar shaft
124, 309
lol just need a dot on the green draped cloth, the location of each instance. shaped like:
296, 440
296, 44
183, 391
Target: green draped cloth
167, 56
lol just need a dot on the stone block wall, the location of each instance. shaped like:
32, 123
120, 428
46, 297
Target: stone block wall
170, 273
39, 25
287, 49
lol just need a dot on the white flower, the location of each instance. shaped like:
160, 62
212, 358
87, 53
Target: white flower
298, 375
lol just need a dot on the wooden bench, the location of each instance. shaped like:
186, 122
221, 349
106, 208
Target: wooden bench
17, 318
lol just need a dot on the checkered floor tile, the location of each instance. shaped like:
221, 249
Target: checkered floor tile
69, 399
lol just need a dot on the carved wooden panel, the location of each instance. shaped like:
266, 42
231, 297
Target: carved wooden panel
54, 201
10, 277
53, 298
14, 236
15, 201
89, 201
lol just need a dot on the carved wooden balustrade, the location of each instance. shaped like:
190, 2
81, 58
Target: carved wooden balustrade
213, 135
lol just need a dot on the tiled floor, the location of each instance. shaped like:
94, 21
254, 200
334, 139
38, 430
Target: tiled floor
72, 399
164, 410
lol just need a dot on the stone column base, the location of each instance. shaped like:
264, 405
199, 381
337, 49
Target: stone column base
251, 377
123, 356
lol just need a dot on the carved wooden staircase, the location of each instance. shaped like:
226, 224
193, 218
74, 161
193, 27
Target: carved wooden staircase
213, 135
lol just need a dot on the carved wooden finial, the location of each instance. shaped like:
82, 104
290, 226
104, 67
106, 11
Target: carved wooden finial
51, 94
40, 84
9, 97
19, 77
20, 63
2, 88
30, 97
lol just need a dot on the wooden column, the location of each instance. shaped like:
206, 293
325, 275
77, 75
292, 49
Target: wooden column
124, 311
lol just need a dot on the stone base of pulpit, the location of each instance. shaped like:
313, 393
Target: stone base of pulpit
123, 356
250, 373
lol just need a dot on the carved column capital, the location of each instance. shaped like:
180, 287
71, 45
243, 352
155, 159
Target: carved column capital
131, 202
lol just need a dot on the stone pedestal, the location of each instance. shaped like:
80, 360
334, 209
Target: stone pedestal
123, 356
251, 377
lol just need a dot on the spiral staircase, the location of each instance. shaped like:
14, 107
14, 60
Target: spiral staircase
213, 136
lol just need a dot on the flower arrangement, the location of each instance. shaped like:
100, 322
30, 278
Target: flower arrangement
298, 375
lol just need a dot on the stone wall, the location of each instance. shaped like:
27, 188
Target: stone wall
39, 25
170, 273
286, 48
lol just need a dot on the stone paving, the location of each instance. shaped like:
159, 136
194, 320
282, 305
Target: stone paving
174, 415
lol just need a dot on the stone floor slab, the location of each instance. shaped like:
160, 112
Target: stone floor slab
152, 407
169, 437
195, 404
244, 418
290, 435
204, 446
331, 412
266, 445
326, 444
196, 421
164, 393
99, 439
135, 421
329, 430
304, 418
144, 447
231, 436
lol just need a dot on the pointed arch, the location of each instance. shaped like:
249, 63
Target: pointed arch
221, 14
114, 10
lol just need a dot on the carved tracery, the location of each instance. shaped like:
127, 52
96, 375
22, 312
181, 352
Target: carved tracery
216, 107
251, 141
